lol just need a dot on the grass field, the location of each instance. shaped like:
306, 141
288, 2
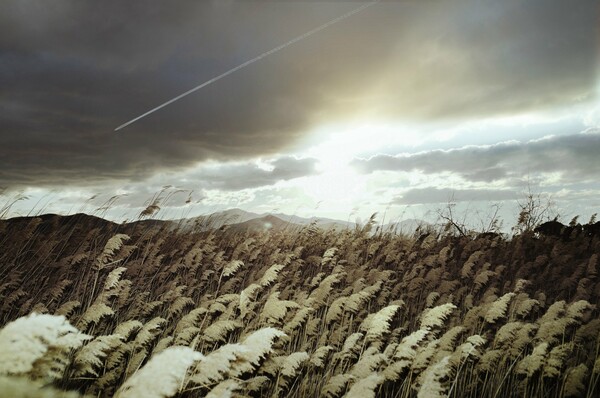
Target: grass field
141, 310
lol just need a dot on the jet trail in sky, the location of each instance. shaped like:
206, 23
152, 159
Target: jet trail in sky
253, 60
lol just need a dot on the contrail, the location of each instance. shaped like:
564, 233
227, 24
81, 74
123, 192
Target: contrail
253, 60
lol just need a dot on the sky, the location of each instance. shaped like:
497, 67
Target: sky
400, 109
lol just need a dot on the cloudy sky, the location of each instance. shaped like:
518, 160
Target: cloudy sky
402, 106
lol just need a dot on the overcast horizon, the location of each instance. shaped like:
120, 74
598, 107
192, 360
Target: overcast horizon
399, 108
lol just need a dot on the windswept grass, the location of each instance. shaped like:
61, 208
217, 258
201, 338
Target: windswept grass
141, 309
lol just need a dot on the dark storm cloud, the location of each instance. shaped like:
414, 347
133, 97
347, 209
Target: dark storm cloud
250, 175
70, 74
575, 157
446, 195
71, 71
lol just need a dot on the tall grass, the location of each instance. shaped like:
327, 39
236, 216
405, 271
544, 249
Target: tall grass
97, 308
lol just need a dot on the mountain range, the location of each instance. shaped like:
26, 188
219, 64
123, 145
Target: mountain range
241, 219
233, 219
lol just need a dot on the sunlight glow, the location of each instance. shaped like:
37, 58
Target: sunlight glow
335, 145
341, 185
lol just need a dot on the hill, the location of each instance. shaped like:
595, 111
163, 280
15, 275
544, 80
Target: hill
263, 224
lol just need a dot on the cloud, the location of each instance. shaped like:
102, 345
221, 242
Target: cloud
238, 176
592, 119
73, 72
446, 195
205, 187
573, 157
223, 177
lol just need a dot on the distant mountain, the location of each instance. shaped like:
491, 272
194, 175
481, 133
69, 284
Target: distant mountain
245, 220
236, 219
52, 222
237, 216
408, 226
264, 224
232, 216
217, 220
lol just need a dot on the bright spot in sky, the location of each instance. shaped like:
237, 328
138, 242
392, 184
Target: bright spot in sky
342, 185
336, 145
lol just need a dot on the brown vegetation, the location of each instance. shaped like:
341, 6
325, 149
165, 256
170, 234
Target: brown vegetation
142, 310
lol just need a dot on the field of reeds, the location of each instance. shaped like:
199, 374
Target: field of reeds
141, 310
